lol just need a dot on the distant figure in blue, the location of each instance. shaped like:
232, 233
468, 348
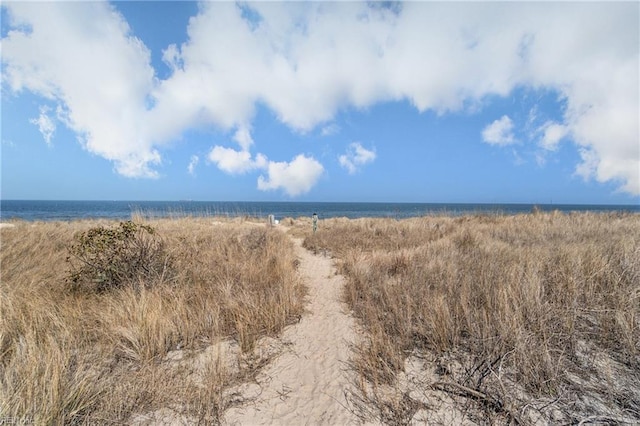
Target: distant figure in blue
314, 221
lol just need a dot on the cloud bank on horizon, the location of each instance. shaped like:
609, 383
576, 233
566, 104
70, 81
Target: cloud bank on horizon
308, 61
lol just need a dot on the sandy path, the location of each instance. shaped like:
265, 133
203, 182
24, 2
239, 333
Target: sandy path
306, 384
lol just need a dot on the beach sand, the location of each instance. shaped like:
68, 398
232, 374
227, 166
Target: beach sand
309, 382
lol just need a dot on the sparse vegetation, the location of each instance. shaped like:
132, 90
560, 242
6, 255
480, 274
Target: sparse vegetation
131, 254
514, 319
110, 357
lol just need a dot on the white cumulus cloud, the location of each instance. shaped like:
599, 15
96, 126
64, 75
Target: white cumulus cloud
552, 133
306, 61
235, 162
192, 164
243, 138
355, 157
500, 132
295, 178
45, 124
82, 56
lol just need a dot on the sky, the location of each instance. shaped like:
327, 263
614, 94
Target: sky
469, 102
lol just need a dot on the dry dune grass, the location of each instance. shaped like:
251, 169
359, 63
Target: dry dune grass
81, 357
523, 319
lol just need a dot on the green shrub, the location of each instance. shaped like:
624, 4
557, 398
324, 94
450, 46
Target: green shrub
106, 258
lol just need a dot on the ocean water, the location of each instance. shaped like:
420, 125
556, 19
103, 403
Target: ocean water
122, 210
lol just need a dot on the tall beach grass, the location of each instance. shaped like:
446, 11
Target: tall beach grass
523, 317
81, 357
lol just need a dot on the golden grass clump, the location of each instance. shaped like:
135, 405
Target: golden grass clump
510, 309
71, 355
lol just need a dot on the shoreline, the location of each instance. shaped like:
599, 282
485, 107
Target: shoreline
122, 210
136, 216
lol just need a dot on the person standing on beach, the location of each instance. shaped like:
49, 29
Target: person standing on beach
314, 222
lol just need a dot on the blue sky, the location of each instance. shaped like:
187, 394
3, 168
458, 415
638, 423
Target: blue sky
347, 101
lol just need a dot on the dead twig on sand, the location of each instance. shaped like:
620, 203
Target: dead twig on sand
466, 392
603, 419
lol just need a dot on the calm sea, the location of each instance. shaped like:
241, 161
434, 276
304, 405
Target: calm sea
71, 210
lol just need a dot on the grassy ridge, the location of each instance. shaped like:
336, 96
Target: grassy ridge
76, 356
509, 310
